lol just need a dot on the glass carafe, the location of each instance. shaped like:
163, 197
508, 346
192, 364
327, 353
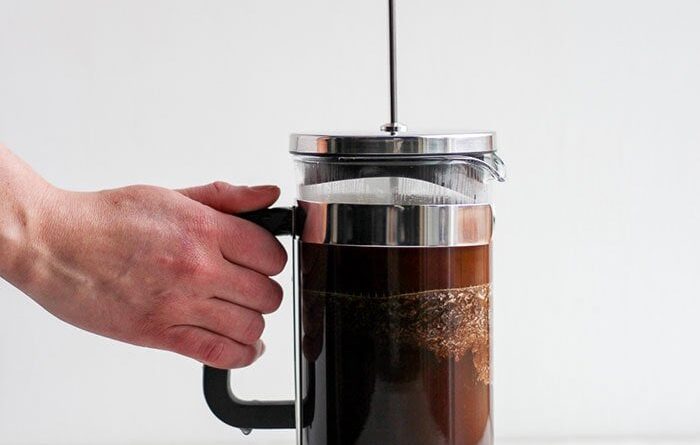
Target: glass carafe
392, 292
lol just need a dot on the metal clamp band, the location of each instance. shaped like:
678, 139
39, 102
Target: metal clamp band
394, 225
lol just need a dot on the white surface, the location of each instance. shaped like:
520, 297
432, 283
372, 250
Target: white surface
553, 441
549, 441
618, 441
596, 103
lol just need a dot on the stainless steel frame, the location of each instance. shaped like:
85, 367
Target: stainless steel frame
395, 225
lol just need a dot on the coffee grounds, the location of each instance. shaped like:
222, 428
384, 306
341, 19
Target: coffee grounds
447, 322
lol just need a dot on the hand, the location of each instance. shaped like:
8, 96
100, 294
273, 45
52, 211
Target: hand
154, 267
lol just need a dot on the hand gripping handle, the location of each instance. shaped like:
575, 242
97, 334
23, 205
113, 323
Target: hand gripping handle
217, 391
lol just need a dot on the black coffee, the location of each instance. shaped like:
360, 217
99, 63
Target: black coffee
395, 345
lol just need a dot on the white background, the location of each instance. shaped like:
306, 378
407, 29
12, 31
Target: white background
597, 108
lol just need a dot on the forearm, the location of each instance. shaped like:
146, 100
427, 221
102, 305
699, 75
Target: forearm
23, 194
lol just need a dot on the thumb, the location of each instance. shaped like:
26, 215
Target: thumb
228, 198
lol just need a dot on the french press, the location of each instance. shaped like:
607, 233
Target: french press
392, 297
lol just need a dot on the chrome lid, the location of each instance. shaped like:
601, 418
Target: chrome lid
388, 144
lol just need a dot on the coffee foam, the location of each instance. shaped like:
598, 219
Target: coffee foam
447, 322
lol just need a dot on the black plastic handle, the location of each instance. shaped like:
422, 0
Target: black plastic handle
277, 220
217, 391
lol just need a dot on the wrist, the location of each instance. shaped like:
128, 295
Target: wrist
24, 196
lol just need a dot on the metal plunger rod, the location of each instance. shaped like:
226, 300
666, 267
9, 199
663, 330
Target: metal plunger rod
393, 126
392, 62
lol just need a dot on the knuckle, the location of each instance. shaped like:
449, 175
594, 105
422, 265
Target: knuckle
190, 342
190, 261
274, 298
188, 265
265, 253
264, 292
252, 286
243, 357
220, 187
253, 328
211, 317
211, 351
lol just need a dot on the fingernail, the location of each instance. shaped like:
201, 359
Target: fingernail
264, 188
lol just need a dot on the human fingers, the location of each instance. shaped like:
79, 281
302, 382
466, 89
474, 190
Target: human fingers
247, 244
228, 319
211, 348
228, 198
246, 287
